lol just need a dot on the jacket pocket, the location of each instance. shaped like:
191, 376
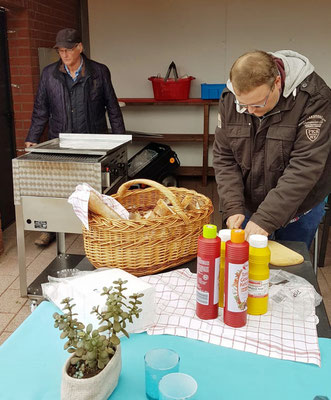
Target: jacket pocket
240, 143
279, 144
96, 90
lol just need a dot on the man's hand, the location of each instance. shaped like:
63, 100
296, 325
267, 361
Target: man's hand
29, 144
254, 229
235, 221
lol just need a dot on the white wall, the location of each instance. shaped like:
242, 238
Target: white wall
139, 38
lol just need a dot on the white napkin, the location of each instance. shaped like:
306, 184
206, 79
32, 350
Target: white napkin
79, 201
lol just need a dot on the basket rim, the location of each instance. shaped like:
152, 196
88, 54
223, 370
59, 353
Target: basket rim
192, 215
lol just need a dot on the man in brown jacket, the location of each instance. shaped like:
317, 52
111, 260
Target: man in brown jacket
272, 146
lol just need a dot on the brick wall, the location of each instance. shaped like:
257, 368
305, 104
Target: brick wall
35, 23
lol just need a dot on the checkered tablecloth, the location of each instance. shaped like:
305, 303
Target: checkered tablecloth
277, 334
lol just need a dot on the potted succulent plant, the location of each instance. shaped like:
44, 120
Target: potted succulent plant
94, 367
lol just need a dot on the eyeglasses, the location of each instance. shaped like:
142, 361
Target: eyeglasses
65, 51
242, 106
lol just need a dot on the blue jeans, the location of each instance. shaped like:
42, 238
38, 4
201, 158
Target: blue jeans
302, 230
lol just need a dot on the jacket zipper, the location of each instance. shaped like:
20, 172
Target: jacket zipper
252, 149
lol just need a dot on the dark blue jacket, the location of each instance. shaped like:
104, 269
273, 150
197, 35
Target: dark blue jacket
52, 102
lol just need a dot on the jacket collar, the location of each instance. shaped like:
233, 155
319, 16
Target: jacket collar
87, 69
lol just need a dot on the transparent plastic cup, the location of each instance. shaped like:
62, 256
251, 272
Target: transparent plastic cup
158, 362
177, 386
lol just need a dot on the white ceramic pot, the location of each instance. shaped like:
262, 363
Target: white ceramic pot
99, 387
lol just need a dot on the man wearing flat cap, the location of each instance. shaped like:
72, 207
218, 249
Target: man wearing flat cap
74, 95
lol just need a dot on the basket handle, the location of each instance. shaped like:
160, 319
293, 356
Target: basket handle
163, 189
173, 67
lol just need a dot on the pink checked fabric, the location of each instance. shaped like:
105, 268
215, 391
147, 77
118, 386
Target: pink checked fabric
276, 334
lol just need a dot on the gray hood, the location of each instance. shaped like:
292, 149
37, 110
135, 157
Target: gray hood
297, 68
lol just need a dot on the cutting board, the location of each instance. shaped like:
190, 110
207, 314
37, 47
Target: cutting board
282, 256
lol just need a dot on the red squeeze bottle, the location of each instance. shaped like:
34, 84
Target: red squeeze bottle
208, 269
236, 280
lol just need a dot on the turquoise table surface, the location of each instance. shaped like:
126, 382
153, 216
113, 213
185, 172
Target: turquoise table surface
33, 356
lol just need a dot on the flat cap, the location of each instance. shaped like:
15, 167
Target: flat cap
67, 38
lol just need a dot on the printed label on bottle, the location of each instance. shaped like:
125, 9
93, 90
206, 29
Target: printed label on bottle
237, 287
208, 281
202, 297
258, 289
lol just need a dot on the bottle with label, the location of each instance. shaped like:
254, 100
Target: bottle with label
225, 235
258, 286
208, 266
236, 280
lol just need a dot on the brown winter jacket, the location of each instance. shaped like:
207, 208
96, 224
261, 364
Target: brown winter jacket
278, 167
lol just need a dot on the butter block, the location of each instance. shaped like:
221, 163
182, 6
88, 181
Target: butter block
86, 291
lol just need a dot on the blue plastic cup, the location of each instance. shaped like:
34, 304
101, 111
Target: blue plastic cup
177, 386
158, 362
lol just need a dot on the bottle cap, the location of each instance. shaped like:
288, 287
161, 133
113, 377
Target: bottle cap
258, 241
237, 235
209, 231
225, 234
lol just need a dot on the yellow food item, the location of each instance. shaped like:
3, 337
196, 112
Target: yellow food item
282, 256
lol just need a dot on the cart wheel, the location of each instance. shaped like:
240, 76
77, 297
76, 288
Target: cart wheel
33, 305
169, 180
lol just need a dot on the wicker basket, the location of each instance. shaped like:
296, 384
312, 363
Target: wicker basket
147, 246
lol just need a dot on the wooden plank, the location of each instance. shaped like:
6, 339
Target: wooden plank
193, 171
170, 137
150, 101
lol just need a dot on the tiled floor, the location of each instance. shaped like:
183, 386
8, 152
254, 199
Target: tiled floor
14, 309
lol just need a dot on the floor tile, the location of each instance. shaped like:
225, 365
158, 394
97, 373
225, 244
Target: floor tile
19, 318
5, 318
8, 265
10, 301
5, 282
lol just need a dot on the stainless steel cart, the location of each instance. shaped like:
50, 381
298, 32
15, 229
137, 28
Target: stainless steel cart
46, 176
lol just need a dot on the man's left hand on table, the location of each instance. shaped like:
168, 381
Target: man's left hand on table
253, 229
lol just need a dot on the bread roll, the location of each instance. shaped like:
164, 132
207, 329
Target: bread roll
161, 209
282, 256
97, 206
187, 202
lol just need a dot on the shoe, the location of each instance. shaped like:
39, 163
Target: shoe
45, 239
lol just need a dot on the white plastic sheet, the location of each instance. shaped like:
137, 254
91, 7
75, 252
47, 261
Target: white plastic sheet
86, 288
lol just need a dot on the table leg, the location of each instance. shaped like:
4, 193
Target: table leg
21, 250
205, 144
60, 243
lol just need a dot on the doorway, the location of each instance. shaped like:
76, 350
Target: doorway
7, 142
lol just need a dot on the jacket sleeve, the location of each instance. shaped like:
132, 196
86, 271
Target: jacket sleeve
228, 175
113, 109
306, 165
40, 113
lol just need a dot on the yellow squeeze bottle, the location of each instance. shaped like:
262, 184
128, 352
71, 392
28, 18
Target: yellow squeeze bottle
225, 235
258, 287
